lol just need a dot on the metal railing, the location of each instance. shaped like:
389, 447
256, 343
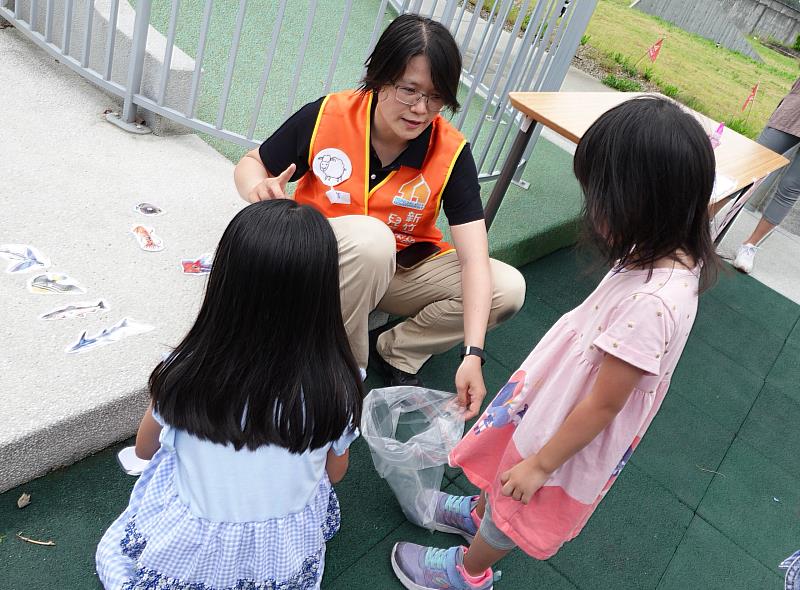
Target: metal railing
531, 51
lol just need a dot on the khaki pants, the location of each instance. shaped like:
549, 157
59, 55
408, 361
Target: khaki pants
429, 296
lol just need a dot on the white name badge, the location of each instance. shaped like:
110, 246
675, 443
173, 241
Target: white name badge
338, 197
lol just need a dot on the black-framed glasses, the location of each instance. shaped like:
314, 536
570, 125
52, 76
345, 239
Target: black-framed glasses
411, 96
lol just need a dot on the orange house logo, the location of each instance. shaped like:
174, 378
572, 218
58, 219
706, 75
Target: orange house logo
413, 194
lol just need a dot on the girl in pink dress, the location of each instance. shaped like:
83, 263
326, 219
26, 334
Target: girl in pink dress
551, 444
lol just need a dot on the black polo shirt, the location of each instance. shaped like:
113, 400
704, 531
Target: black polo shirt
461, 199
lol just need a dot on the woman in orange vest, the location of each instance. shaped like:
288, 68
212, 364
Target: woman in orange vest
381, 162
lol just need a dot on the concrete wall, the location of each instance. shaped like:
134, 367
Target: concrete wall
765, 18
707, 19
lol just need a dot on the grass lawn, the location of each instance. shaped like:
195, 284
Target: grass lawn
712, 80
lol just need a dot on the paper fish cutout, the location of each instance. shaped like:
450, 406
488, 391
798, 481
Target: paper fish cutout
54, 283
23, 258
147, 239
199, 266
149, 209
123, 328
77, 310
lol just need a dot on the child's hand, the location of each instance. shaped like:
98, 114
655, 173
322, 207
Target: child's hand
523, 480
470, 387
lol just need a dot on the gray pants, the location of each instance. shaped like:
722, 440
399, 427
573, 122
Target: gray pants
492, 535
789, 187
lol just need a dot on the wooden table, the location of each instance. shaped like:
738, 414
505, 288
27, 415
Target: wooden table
571, 113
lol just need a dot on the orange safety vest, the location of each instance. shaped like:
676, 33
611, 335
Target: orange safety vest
337, 182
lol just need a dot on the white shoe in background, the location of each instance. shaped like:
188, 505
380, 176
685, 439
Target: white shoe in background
744, 258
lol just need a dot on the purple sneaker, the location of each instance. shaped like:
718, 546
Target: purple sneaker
454, 514
428, 568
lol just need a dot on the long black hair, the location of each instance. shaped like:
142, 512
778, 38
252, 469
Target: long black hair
406, 37
267, 361
646, 168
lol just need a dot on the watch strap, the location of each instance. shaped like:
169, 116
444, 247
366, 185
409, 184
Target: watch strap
474, 350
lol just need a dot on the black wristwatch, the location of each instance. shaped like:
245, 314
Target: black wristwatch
466, 350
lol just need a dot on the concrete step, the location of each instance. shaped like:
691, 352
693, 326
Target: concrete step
70, 184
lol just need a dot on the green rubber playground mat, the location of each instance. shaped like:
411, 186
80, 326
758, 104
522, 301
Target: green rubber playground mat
709, 500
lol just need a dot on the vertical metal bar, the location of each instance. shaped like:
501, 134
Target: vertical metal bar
48, 22
514, 115
538, 53
449, 13
510, 79
226, 88
552, 79
312, 10
537, 24
534, 82
460, 18
67, 27
473, 19
405, 6
501, 185
338, 49
87, 37
550, 52
434, 4
497, 75
138, 46
167, 65
198, 59
273, 44
526, 49
111, 40
488, 54
485, 36
416, 7
377, 28
34, 13
570, 37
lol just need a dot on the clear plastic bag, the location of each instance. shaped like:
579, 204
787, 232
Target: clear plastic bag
410, 432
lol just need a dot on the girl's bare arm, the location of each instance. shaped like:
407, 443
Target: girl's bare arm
614, 385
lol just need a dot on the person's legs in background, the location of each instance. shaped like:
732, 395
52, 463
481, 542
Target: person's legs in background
780, 204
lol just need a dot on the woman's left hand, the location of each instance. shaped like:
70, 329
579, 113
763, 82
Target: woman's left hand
469, 385
523, 480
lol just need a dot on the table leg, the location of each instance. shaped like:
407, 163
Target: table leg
736, 207
509, 168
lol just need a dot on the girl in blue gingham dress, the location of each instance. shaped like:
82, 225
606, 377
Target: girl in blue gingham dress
250, 422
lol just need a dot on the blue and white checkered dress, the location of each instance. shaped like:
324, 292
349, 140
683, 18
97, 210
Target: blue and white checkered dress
157, 544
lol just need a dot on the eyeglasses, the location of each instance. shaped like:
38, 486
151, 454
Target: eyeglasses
411, 96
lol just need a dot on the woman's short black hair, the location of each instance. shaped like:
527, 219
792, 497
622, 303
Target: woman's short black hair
406, 37
647, 170
267, 361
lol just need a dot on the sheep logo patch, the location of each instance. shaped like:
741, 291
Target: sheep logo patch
332, 166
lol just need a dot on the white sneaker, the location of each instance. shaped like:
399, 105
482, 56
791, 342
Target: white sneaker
744, 258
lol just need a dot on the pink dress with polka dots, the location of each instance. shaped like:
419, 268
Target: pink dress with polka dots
643, 322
